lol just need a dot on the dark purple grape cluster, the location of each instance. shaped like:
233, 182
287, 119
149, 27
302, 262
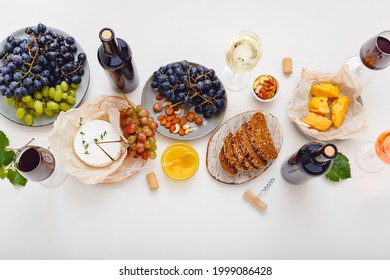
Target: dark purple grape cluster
44, 58
199, 87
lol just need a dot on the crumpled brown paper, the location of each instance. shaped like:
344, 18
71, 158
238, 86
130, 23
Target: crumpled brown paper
65, 128
354, 124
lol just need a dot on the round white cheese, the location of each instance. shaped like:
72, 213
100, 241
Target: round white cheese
97, 143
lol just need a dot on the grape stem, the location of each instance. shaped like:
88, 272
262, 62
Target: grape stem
11, 149
125, 97
72, 72
29, 142
17, 149
33, 58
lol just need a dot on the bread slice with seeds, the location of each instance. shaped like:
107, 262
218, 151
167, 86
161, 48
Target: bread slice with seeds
229, 154
230, 169
246, 147
260, 137
239, 154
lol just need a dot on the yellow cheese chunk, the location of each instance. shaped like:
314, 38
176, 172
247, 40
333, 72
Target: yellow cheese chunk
325, 90
339, 109
319, 105
318, 122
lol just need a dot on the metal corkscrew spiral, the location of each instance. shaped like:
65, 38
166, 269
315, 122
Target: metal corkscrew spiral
255, 200
266, 187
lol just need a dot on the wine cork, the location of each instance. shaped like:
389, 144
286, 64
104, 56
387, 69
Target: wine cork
152, 181
255, 201
287, 65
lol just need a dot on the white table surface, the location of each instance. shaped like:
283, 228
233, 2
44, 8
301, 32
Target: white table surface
202, 218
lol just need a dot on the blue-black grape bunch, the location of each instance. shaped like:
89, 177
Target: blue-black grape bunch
44, 58
40, 74
198, 87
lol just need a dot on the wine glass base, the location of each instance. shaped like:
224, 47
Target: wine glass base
361, 75
58, 176
234, 81
366, 158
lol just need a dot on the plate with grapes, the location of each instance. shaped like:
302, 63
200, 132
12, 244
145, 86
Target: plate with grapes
8, 108
187, 87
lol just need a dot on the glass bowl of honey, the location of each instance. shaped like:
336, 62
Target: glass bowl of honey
180, 161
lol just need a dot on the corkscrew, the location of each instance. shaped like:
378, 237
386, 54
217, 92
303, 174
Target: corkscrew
255, 199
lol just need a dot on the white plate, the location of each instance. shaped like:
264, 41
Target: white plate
217, 140
9, 111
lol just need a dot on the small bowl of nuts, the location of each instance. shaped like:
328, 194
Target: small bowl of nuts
265, 88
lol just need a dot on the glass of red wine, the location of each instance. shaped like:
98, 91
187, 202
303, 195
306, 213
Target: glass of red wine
39, 165
374, 55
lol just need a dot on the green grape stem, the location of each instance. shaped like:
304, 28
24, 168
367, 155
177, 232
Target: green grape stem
4, 57
125, 97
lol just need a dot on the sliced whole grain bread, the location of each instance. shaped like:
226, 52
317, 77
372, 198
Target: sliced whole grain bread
229, 154
246, 147
230, 169
260, 137
240, 156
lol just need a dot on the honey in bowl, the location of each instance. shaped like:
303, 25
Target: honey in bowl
172, 165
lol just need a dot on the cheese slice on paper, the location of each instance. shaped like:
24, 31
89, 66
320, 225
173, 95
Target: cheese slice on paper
97, 143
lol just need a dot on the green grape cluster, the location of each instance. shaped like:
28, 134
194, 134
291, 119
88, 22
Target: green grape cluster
49, 101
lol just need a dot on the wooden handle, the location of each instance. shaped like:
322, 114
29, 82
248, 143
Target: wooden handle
255, 201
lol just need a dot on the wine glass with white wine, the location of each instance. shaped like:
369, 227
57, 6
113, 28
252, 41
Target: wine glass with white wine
243, 53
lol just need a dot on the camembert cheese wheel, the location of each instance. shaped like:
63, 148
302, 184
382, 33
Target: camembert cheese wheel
97, 143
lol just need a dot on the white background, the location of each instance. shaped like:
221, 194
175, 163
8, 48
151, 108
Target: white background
201, 218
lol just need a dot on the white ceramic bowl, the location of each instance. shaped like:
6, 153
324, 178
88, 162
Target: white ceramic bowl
263, 79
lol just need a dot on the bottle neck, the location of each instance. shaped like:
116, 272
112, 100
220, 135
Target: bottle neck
325, 153
107, 36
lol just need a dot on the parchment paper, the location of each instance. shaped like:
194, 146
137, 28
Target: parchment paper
65, 128
354, 124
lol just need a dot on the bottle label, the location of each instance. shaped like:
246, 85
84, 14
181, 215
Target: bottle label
292, 173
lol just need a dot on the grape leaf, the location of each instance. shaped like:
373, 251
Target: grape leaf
3, 173
6, 157
4, 142
340, 169
15, 178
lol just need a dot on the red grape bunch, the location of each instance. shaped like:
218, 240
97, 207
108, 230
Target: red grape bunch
139, 129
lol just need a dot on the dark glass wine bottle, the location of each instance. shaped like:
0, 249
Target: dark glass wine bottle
312, 160
116, 58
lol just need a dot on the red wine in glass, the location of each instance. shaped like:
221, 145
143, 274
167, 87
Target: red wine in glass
35, 163
375, 53
39, 165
